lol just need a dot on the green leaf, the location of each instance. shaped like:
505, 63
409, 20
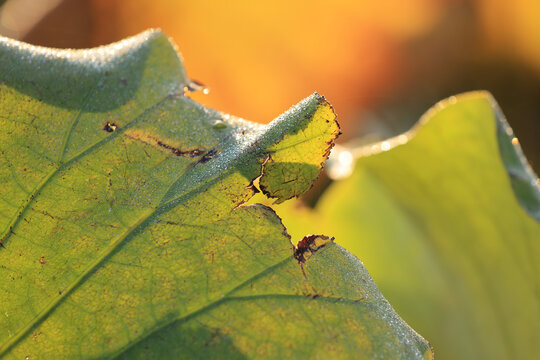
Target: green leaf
124, 231
446, 219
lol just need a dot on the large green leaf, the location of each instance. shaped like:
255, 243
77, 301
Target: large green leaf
124, 231
444, 218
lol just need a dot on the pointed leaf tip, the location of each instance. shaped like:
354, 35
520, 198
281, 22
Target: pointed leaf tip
294, 163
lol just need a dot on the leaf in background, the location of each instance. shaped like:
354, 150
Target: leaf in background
123, 229
435, 215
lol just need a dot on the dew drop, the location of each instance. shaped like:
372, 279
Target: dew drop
194, 85
219, 124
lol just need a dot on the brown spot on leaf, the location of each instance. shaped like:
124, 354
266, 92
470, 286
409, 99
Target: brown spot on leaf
110, 126
208, 156
309, 245
152, 140
178, 152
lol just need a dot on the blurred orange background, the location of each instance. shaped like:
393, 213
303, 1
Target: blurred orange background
381, 64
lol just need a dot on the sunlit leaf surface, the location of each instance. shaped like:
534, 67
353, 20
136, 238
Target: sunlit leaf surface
124, 231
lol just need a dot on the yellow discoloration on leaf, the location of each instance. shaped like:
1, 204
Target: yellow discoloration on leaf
287, 172
309, 245
143, 136
429, 355
170, 146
